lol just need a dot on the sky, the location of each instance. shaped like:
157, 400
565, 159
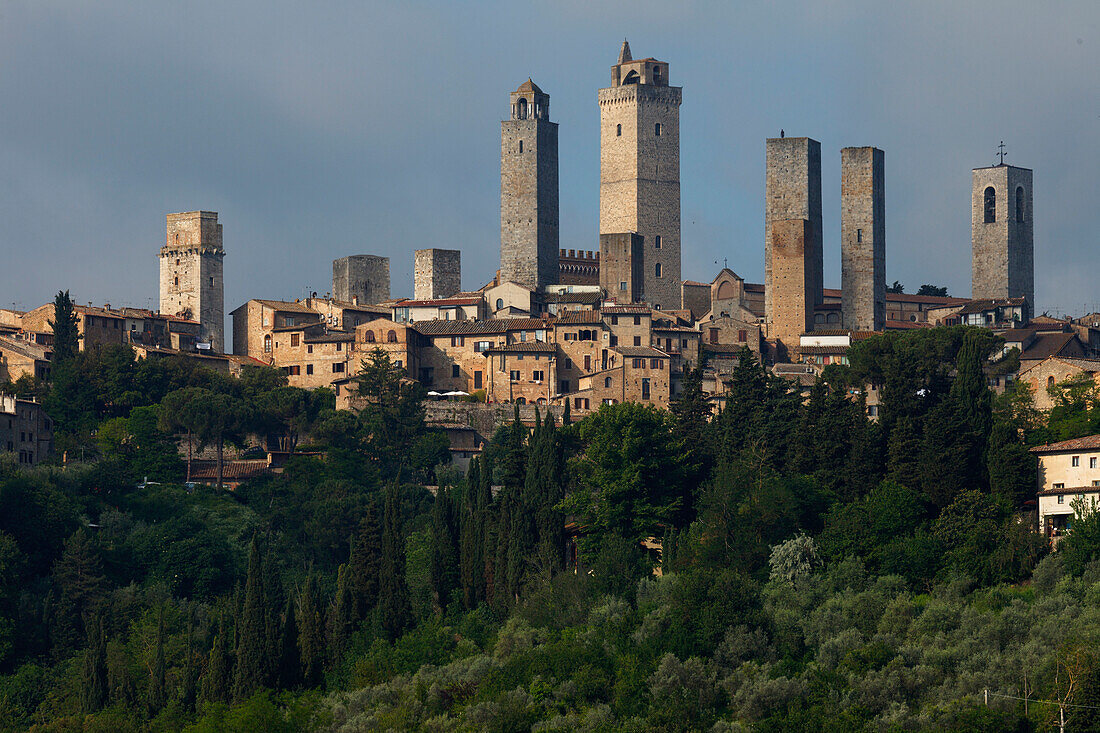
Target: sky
322, 129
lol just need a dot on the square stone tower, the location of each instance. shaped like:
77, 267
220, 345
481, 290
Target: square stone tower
863, 238
1003, 247
621, 260
792, 192
640, 170
437, 273
362, 277
792, 274
529, 190
191, 273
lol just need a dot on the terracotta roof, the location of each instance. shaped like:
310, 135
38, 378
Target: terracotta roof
1017, 334
231, 470
641, 351
329, 338
696, 283
676, 329
722, 348
437, 303
1089, 442
489, 325
579, 317
828, 332
1048, 344
529, 86
633, 310
978, 306
839, 349
905, 325
572, 297
1070, 490
283, 305
525, 347
754, 287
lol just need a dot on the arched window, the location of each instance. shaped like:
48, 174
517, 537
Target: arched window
657, 242
618, 130
607, 382
657, 129
1020, 204
521, 109
500, 303
657, 269
370, 337
656, 74
990, 205
267, 344
819, 318
1050, 382
832, 318
392, 337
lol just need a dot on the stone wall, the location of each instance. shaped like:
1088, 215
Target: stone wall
361, 278
437, 273
621, 262
792, 273
191, 283
640, 180
863, 238
1003, 258
793, 192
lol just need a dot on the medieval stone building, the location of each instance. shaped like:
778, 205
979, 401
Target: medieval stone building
191, 273
640, 174
1003, 264
863, 238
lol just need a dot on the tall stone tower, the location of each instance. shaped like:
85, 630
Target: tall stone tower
640, 171
1003, 247
191, 273
529, 190
437, 273
792, 237
863, 238
365, 278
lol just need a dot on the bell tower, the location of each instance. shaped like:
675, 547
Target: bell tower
191, 273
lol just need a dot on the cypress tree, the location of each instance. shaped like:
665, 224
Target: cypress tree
65, 336
156, 694
93, 684
393, 594
471, 562
903, 453
342, 621
252, 629
290, 658
549, 520
445, 574
488, 529
311, 634
364, 563
188, 687
566, 415
499, 598
216, 680
274, 599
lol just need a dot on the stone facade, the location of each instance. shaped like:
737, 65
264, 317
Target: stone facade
578, 267
792, 274
622, 259
361, 279
437, 273
863, 238
640, 171
793, 193
191, 283
529, 190
1003, 251
25, 430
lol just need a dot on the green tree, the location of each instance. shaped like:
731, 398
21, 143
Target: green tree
393, 594
311, 634
445, 575
156, 692
936, 290
64, 326
217, 678
289, 675
364, 563
93, 687
252, 664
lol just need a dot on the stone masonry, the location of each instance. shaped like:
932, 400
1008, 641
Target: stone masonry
793, 270
437, 273
863, 238
621, 261
793, 192
1003, 249
529, 190
361, 278
640, 169
191, 273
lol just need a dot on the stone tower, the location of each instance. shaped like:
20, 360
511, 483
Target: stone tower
1003, 248
529, 190
365, 278
437, 273
191, 273
792, 237
863, 238
640, 171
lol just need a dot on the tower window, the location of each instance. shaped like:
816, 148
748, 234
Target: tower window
657, 269
211, 282
177, 281
990, 205
656, 74
657, 242
500, 303
859, 235
618, 130
657, 129
1020, 204
521, 146
622, 285
521, 109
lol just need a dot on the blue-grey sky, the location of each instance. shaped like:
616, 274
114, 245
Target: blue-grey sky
323, 129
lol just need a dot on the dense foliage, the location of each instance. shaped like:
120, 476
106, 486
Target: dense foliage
817, 571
